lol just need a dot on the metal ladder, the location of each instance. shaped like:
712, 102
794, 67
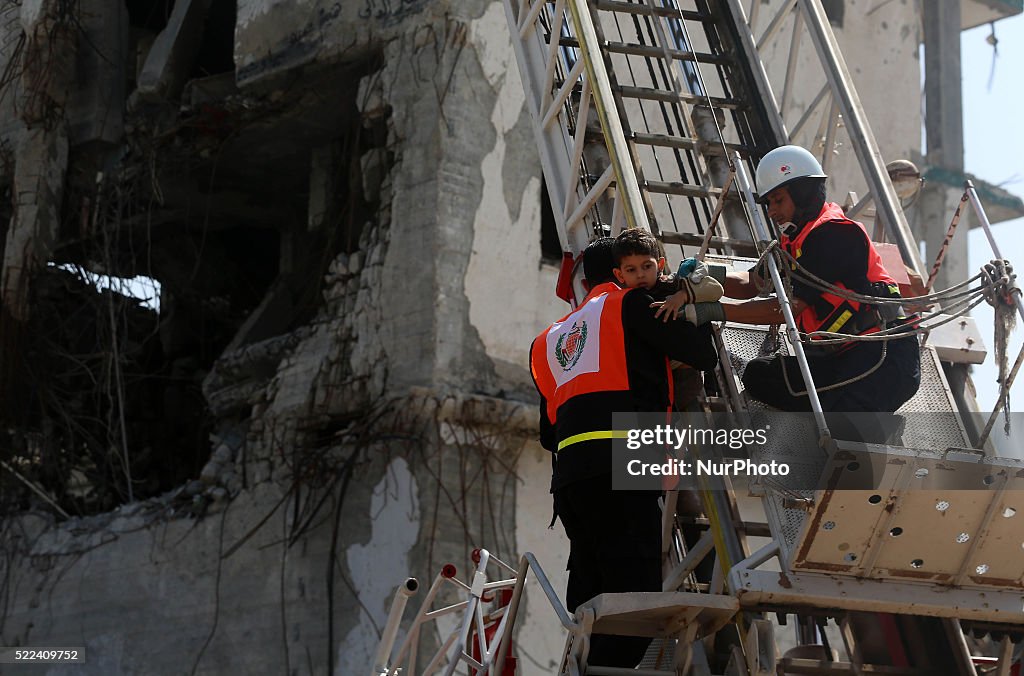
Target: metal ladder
645, 111
638, 106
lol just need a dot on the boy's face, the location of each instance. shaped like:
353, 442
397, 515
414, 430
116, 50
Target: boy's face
638, 270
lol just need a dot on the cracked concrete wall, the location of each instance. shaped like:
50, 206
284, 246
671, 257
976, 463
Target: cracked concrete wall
47, 62
450, 170
510, 290
142, 594
146, 594
441, 295
421, 305
395, 522
443, 292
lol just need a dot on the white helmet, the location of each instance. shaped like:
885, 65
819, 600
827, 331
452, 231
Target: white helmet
783, 165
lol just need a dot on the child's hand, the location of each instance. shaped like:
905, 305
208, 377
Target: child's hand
670, 308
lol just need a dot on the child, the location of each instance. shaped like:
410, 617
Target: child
638, 262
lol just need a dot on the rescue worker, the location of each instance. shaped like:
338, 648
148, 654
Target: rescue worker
609, 355
879, 376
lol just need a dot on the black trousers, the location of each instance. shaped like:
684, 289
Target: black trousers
615, 546
886, 389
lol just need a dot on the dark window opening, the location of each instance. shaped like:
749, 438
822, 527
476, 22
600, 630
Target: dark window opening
550, 246
834, 10
103, 397
149, 14
216, 51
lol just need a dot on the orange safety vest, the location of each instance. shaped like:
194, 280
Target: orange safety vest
842, 310
585, 352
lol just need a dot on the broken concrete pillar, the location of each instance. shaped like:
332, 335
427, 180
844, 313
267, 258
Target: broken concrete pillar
48, 62
96, 101
38, 190
173, 52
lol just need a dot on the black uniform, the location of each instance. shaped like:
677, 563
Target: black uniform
837, 252
615, 536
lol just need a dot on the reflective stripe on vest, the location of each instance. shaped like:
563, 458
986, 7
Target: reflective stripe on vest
590, 436
841, 310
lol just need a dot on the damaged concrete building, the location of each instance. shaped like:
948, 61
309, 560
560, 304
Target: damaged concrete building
270, 272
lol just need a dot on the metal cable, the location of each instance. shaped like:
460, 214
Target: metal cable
816, 282
964, 302
835, 386
893, 333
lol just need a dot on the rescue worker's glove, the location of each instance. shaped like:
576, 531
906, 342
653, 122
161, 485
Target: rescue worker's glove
702, 313
686, 266
707, 290
696, 270
698, 282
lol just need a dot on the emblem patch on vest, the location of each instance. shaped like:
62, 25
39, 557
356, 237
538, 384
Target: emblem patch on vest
570, 345
573, 345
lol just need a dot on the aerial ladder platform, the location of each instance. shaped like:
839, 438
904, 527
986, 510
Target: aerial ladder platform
654, 114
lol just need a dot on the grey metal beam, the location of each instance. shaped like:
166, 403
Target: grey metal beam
861, 136
944, 124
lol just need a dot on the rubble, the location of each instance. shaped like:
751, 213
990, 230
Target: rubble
309, 350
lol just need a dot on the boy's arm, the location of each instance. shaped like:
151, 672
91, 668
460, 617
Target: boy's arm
677, 340
664, 287
669, 309
762, 311
744, 285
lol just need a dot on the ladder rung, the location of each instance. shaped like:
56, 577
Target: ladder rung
717, 404
684, 189
622, 671
751, 528
650, 94
652, 51
793, 665
641, 8
683, 143
655, 52
740, 246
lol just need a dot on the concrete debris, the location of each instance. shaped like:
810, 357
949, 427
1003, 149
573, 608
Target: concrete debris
40, 165
173, 52
306, 236
370, 99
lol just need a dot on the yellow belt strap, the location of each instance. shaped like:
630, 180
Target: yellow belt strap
590, 436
